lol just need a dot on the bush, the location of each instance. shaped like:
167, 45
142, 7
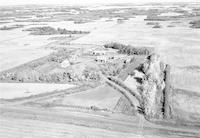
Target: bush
195, 24
64, 31
151, 23
157, 26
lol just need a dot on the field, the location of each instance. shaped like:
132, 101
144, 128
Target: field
187, 105
17, 90
100, 71
44, 129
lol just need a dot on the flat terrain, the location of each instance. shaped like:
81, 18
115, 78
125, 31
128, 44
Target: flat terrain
58, 79
61, 122
17, 90
178, 46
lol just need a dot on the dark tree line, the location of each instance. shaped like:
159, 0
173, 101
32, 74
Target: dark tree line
128, 49
47, 30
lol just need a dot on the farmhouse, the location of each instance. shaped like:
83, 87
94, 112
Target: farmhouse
65, 63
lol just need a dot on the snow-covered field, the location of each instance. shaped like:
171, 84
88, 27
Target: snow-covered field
16, 90
177, 46
103, 97
18, 47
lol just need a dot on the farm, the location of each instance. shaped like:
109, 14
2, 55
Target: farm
103, 71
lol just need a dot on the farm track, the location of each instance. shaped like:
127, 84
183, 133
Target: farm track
19, 119
30, 121
34, 128
124, 73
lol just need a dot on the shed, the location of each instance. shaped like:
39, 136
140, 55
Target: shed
65, 63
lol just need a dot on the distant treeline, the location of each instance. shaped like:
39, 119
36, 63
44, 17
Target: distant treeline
47, 30
129, 50
195, 24
11, 27
156, 18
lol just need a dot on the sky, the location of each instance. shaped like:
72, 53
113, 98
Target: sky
83, 2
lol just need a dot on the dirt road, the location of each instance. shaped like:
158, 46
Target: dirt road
36, 122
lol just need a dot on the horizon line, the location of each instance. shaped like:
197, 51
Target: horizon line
90, 4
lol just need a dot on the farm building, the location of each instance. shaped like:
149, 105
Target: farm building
65, 63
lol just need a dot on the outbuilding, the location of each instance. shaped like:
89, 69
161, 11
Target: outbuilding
65, 63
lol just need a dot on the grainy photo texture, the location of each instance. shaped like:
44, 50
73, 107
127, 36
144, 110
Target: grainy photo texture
99, 69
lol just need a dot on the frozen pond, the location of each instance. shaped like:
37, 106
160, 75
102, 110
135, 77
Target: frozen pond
170, 14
